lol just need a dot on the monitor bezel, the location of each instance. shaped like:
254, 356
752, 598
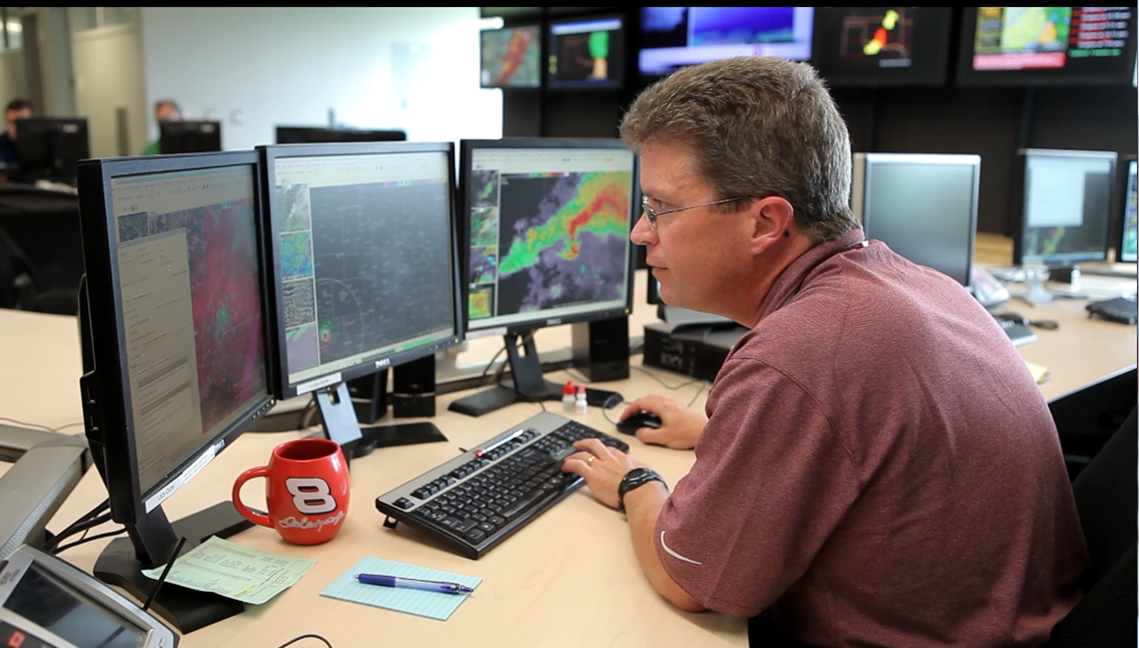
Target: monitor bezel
863, 195
177, 128
1019, 204
467, 148
1123, 164
269, 154
880, 78
42, 125
555, 85
538, 27
966, 76
110, 427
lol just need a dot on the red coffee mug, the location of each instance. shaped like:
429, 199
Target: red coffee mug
307, 493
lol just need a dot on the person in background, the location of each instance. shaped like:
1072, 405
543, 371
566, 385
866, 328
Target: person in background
877, 466
16, 109
164, 110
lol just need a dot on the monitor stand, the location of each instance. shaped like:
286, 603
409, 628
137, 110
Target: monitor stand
526, 384
151, 542
338, 418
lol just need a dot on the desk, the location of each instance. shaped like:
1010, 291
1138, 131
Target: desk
567, 579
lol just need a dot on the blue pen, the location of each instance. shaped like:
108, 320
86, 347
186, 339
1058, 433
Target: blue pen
413, 583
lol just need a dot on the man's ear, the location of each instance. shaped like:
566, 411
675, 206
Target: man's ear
773, 217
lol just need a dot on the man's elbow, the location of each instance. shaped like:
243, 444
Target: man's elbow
682, 599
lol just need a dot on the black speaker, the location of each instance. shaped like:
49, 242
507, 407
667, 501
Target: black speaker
369, 396
601, 349
413, 388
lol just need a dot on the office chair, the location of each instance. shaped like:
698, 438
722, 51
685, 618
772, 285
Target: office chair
1105, 494
42, 249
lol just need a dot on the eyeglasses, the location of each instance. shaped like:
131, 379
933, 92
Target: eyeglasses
653, 215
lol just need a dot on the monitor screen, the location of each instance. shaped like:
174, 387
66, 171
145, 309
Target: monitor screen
548, 231
365, 268
510, 57
673, 37
1031, 46
1127, 240
189, 136
587, 53
174, 276
882, 46
1065, 206
48, 148
923, 206
318, 135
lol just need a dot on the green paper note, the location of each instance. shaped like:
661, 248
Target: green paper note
236, 572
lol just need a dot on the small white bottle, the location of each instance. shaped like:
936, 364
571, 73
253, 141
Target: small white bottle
567, 398
580, 405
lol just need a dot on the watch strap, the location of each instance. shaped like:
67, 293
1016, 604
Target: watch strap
634, 479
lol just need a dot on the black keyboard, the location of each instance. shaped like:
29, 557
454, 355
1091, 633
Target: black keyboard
478, 499
1121, 309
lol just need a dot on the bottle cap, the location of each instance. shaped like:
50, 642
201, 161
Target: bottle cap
568, 390
581, 391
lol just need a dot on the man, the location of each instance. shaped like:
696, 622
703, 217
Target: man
164, 110
16, 109
877, 466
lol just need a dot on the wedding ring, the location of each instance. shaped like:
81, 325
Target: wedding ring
591, 458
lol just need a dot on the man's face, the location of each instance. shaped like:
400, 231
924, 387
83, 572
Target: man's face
165, 112
12, 115
693, 253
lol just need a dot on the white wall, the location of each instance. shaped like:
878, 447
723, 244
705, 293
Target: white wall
395, 67
11, 76
108, 76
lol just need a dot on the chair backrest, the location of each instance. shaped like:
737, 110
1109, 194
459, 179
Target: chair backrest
44, 225
1106, 495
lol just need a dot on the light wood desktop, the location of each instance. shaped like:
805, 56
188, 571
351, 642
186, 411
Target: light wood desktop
567, 579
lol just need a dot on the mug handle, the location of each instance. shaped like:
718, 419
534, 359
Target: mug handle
256, 518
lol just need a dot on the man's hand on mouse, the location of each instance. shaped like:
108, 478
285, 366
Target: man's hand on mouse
602, 468
679, 428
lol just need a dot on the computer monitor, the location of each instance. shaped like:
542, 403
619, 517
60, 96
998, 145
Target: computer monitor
48, 148
673, 37
364, 270
320, 135
1062, 206
1128, 229
1046, 46
174, 333
188, 136
923, 206
882, 46
547, 243
587, 53
511, 57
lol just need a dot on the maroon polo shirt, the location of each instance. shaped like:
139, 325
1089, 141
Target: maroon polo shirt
878, 468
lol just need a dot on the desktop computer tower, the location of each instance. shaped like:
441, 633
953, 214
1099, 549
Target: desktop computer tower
601, 349
369, 396
413, 388
696, 351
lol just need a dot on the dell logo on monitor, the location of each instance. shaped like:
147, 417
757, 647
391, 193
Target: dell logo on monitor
385, 362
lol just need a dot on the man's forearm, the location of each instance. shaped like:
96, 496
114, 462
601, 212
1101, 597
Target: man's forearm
643, 507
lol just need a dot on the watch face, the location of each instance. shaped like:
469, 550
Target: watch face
636, 473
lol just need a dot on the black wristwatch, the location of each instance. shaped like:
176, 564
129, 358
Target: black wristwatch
635, 478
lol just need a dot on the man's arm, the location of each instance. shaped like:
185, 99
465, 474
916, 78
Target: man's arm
642, 507
603, 467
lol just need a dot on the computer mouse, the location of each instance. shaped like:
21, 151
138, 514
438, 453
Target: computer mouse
636, 421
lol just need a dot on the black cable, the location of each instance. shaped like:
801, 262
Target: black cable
165, 573
491, 363
305, 636
659, 380
85, 540
78, 525
51, 545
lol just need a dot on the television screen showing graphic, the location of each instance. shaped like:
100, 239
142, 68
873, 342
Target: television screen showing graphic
510, 57
881, 46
